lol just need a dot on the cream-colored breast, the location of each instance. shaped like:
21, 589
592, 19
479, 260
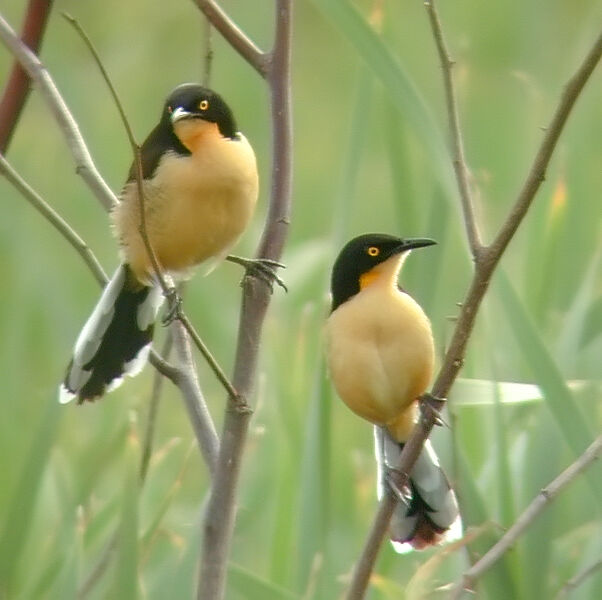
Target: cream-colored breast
196, 206
380, 352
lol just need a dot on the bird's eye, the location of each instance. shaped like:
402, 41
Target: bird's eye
204, 104
373, 251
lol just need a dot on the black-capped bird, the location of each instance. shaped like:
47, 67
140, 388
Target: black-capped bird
380, 355
200, 189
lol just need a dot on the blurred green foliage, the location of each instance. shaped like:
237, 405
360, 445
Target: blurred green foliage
370, 139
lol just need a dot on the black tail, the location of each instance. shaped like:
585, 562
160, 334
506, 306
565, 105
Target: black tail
431, 512
115, 340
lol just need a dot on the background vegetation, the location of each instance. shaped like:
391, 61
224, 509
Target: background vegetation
370, 139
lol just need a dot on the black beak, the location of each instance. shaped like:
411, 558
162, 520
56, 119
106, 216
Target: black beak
411, 243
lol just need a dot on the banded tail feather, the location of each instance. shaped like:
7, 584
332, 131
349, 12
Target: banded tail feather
115, 341
431, 514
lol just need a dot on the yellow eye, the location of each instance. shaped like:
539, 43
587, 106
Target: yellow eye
373, 251
204, 104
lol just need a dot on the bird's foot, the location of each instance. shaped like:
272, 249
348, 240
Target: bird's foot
430, 407
262, 268
174, 307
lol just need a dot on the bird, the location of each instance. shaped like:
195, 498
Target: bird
380, 357
200, 187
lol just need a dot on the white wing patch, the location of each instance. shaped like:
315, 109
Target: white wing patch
91, 335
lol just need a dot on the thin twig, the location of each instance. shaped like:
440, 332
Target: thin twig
458, 158
99, 569
537, 172
207, 51
221, 511
75, 142
17, 87
167, 289
485, 264
153, 409
542, 501
54, 218
235, 36
577, 580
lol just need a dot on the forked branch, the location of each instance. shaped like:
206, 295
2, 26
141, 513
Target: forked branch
485, 264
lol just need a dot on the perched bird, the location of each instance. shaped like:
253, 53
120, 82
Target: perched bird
380, 355
200, 187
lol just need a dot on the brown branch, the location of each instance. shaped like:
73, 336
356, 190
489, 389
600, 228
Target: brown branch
63, 117
17, 87
55, 220
577, 580
235, 36
221, 510
153, 409
458, 158
540, 503
207, 51
537, 173
485, 264
196, 405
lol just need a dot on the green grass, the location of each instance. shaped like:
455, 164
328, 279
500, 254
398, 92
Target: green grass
370, 155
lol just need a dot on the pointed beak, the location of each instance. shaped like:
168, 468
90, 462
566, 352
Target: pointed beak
412, 243
417, 243
179, 113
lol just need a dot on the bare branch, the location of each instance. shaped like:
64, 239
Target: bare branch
153, 409
38, 73
485, 264
458, 159
578, 579
537, 172
55, 219
17, 87
221, 510
235, 36
199, 416
542, 501
207, 51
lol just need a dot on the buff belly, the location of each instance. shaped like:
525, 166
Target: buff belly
196, 208
380, 356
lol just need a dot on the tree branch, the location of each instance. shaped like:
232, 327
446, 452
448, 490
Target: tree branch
199, 416
485, 264
542, 501
537, 173
578, 579
221, 510
186, 382
38, 73
55, 219
235, 36
458, 159
17, 87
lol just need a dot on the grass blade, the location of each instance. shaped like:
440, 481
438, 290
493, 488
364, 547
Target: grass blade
558, 397
19, 514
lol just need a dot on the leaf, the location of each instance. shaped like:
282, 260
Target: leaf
125, 585
19, 515
252, 587
569, 419
404, 93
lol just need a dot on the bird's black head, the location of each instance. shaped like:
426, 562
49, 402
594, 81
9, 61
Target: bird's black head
193, 101
359, 256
